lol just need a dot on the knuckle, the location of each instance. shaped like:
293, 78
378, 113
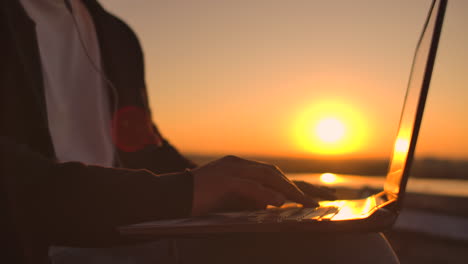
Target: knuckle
266, 168
274, 167
269, 171
271, 167
231, 158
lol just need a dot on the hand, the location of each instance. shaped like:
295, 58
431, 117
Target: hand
221, 183
316, 191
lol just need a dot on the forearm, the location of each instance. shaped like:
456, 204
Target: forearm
71, 203
158, 159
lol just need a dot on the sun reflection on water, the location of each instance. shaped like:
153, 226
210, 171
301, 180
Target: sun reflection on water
329, 178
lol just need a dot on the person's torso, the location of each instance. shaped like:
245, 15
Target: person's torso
77, 101
23, 95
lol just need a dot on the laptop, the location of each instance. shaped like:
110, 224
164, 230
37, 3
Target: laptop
374, 213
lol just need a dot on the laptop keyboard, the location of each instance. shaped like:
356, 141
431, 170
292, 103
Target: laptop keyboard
293, 214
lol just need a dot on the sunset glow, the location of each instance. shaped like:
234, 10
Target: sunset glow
330, 128
264, 84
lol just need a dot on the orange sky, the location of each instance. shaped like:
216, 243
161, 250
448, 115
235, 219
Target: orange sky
240, 76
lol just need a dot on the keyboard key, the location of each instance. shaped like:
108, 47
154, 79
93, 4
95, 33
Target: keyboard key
322, 213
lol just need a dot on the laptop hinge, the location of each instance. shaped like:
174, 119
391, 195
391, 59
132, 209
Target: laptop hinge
384, 198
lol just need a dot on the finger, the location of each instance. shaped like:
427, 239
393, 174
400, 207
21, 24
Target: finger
275, 179
272, 177
235, 203
316, 191
261, 196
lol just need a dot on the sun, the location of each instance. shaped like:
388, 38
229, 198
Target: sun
329, 128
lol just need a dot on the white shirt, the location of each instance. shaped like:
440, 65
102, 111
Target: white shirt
76, 96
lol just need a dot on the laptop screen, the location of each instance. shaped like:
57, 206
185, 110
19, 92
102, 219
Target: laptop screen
413, 107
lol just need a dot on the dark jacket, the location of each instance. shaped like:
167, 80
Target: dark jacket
43, 202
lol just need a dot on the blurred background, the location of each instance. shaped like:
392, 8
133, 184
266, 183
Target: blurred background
315, 87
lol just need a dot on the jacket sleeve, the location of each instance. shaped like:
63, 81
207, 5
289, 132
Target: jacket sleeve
74, 204
164, 158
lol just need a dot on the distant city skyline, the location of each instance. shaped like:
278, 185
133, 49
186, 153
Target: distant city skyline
251, 77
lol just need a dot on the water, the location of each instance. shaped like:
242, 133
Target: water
446, 187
